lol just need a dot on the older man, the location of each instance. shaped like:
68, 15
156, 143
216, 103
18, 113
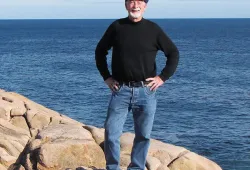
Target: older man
135, 42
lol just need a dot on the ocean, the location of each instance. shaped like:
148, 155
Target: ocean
204, 107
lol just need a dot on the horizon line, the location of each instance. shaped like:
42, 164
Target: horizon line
118, 18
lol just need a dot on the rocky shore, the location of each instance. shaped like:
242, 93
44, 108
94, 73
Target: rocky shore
33, 137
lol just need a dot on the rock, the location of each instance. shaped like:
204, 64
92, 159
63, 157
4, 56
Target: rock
35, 144
6, 159
34, 131
19, 121
9, 129
160, 151
30, 105
2, 167
183, 163
16, 105
42, 139
37, 119
13, 139
82, 168
65, 132
16, 167
5, 109
71, 153
98, 134
12, 142
153, 163
164, 152
86, 168
67, 120
64, 120
192, 161
66, 146
18, 111
9, 147
29, 161
125, 160
21, 168
3, 113
165, 167
126, 142
55, 120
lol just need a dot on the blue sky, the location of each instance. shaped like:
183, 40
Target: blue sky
80, 9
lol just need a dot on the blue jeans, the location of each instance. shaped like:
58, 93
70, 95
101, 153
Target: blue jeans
142, 102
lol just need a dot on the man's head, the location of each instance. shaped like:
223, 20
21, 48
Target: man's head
136, 8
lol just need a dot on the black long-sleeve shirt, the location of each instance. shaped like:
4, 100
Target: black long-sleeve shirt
135, 45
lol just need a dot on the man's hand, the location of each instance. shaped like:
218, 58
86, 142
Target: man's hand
155, 82
112, 84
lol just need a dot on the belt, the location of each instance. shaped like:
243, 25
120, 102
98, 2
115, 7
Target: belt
135, 84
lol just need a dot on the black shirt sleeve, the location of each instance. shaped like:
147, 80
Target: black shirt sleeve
165, 44
101, 51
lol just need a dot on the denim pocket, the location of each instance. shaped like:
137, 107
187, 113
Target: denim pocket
118, 90
148, 91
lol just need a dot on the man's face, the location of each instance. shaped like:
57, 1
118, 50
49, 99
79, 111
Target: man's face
135, 8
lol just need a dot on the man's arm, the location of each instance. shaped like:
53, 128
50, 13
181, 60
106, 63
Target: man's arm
101, 51
166, 45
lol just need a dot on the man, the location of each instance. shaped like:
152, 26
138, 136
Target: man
135, 42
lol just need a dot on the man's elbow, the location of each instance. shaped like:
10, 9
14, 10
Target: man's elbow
175, 54
97, 49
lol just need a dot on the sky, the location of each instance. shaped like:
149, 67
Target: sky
106, 9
